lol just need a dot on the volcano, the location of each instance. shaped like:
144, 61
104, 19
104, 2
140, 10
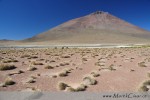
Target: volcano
95, 28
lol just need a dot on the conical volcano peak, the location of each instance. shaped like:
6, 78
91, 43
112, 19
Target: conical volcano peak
97, 27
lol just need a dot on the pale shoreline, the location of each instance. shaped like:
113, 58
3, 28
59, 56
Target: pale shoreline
75, 46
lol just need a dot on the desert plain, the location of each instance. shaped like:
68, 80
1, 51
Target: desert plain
75, 69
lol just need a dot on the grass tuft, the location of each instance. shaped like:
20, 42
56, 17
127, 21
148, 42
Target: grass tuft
143, 89
142, 64
6, 67
62, 86
31, 68
9, 81
70, 89
49, 67
95, 74
89, 80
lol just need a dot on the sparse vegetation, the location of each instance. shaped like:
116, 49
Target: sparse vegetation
2, 85
6, 67
62, 86
111, 68
64, 63
63, 74
9, 81
68, 70
132, 70
24, 56
31, 68
70, 89
30, 80
33, 57
65, 56
142, 64
53, 76
36, 63
84, 59
144, 86
9, 61
52, 61
53, 65
89, 81
147, 82
82, 87
49, 67
18, 72
95, 74
143, 89
33, 77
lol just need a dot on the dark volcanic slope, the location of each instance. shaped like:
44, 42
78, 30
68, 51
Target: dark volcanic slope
98, 27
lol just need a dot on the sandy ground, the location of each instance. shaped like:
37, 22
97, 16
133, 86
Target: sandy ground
118, 68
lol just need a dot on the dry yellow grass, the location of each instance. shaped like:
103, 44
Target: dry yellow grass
62, 86
6, 67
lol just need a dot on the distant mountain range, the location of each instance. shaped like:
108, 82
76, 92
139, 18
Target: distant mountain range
96, 28
5, 40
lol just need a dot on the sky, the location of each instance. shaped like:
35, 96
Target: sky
21, 19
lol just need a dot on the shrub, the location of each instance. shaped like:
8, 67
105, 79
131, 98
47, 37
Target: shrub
132, 70
65, 56
62, 86
52, 61
6, 67
64, 63
89, 80
62, 74
10, 60
54, 76
2, 85
14, 60
142, 64
84, 59
143, 89
33, 77
33, 57
24, 56
31, 68
82, 87
37, 63
9, 81
111, 68
38, 74
70, 89
95, 74
48, 67
68, 70
20, 71
146, 83
6, 61
30, 80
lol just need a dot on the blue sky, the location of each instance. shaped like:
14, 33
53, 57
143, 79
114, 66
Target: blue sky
20, 19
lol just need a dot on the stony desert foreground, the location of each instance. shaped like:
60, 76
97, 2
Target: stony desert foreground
75, 69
